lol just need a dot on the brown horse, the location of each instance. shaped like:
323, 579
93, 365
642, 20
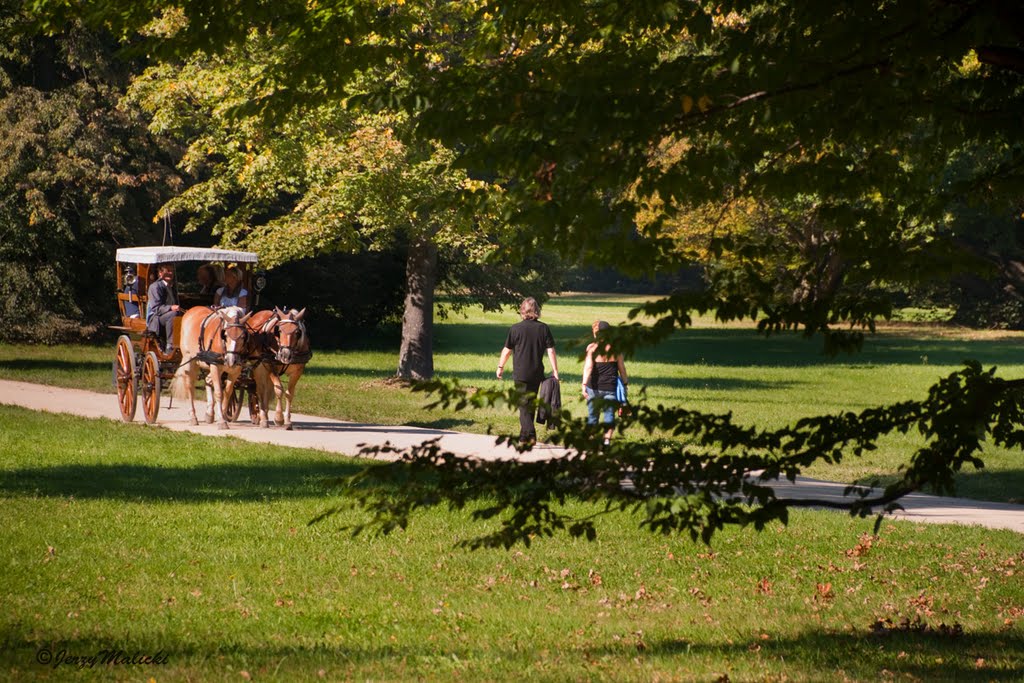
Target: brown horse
285, 349
261, 331
216, 341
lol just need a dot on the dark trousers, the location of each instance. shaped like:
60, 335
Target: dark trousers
527, 431
163, 326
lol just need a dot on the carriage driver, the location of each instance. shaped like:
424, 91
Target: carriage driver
163, 305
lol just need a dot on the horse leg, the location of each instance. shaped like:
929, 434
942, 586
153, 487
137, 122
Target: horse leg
190, 387
229, 389
293, 380
261, 375
275, 379
218, 397
211, 396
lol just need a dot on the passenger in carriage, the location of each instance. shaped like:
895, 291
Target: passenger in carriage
207, 278
232, 293
163, 306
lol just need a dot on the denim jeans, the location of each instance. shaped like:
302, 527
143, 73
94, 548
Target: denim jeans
607, 412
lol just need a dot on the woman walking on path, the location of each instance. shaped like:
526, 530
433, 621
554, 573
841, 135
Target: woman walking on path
601, 372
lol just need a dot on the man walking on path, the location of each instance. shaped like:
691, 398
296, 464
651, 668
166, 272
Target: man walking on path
527, 341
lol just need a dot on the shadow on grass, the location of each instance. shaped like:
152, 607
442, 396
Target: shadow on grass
733, 347
283, 479
981, 656
1000, 485
34, 364
928, 656
994, 486
333, 371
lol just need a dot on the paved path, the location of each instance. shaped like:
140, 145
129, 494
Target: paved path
346, 438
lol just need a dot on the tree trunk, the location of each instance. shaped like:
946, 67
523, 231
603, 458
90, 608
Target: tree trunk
416, 358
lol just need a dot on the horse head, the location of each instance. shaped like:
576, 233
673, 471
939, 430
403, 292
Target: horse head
234, 334
291, 336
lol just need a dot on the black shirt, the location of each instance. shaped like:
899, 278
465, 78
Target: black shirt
604, 376
529, 340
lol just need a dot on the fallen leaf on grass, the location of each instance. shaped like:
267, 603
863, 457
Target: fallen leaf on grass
862, 548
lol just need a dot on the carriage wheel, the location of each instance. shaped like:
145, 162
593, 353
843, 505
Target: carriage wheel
254, 406
149, 387
124, 377
234, 403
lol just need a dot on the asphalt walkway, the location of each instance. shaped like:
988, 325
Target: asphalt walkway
337, 436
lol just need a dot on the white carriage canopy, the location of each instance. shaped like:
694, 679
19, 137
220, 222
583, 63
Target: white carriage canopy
179, 254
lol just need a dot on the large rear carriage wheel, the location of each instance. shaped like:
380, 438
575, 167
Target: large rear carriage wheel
124, 377
149, 387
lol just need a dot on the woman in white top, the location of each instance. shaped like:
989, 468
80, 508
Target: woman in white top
232, 293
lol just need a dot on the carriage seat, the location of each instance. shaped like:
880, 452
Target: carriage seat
131, 318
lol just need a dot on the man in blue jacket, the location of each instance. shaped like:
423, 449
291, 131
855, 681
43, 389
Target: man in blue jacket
526, 343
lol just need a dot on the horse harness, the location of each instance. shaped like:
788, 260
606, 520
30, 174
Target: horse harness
212, 357
269, 358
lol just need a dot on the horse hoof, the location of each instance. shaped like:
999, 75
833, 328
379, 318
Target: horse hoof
222, 425
209, 419
265, 424
194, 422
288, 426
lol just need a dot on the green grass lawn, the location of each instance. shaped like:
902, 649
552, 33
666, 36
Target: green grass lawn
715, 368
197, 550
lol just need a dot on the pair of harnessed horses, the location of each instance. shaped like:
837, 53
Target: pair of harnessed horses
224, 341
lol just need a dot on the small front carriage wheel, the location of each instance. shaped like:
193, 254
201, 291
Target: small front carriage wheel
254, 405
234, 402
149, 387
124, 377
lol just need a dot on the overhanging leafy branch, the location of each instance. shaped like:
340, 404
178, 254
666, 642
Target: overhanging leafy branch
697, 472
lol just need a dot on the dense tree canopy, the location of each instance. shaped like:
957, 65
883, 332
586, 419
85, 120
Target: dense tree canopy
318, 179
588, 111
855, 127
79, 174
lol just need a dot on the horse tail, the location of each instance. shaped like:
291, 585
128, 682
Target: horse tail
179, 385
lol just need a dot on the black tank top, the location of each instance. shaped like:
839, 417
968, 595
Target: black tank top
604, 376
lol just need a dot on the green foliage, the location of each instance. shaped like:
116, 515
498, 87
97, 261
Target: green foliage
709, 474
317, 179
79, 175
583, 113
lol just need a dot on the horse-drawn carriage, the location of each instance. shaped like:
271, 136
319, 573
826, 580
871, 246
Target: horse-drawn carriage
142, 367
